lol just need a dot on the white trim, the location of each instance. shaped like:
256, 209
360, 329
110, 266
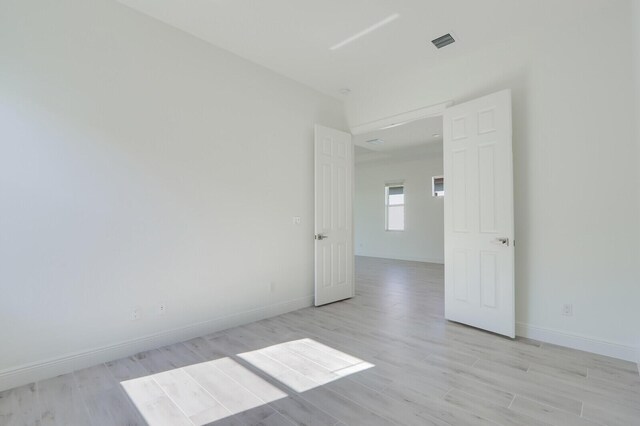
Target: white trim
576, 341
439, 261
403, 118
40, 370
433, 186
387, 205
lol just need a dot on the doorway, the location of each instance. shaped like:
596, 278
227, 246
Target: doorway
397, 213
477, 181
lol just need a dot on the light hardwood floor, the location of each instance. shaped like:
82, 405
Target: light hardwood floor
385, 357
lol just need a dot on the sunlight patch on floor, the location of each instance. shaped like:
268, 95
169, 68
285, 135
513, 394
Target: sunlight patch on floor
304, 364
206, 392
200, 393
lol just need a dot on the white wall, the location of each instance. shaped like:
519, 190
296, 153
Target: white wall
423, 237
141, 165
636, 57
576, 167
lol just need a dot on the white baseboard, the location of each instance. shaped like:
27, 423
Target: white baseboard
575, 341
409, 258
32, 372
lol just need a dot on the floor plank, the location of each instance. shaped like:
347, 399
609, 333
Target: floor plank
547, 413
105, 399
61, 403
19, 406
154, 404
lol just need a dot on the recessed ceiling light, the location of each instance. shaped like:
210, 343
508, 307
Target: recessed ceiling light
366, 31
375, 141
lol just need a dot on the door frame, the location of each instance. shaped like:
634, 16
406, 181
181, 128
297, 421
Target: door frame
436, 110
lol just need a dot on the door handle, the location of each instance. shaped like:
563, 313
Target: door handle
320, 237
503, 241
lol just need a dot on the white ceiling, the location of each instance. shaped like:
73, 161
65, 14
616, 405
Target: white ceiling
417, 152
294, 37
407, 135
411, 140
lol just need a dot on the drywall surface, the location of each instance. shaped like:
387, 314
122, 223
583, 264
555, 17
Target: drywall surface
636, 57
139, 166
575, 163
423, 237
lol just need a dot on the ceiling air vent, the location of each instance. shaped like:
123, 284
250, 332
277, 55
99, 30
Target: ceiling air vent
443, 41
375, 141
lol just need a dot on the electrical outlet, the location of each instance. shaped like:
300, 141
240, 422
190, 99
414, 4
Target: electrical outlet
135, 314
162, 308
567, 309
297, 220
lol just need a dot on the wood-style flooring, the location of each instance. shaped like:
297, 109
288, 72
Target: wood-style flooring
385, 357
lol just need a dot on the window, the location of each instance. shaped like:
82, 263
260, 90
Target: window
437, 185
394, 200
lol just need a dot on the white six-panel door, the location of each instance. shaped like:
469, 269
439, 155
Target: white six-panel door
334, 278
478, 208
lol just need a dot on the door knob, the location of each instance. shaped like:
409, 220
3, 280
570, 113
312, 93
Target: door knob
321, 237
503, 241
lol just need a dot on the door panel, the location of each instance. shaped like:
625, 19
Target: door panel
479, 228
333, 216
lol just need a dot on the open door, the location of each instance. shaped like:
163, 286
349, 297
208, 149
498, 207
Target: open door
478, 209
334, 275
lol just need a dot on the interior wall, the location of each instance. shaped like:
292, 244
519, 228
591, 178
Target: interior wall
139, 166
423, 237
575, 163
636, 56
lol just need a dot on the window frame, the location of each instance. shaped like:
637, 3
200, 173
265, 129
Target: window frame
434, 193
387, 186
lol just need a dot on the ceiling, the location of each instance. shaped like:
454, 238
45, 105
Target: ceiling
405, 136
418, 152
295, 37
411, 140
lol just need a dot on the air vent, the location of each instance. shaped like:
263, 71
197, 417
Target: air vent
375, 141
443, 41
